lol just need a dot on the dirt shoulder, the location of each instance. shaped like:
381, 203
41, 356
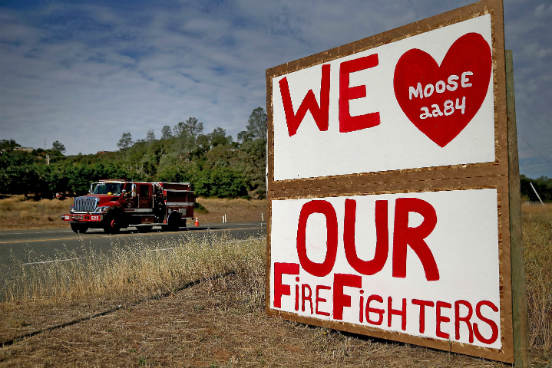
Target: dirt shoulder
212, 324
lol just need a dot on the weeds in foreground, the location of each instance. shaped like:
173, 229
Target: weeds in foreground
132, 271
537, 243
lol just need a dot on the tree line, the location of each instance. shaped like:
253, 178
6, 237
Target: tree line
215, 164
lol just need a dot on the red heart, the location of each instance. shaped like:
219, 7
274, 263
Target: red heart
416, 70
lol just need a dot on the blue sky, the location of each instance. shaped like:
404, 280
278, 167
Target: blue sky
84, 72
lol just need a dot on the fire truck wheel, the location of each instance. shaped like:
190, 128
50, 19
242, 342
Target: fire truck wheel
112, 225
78, 228
173, 222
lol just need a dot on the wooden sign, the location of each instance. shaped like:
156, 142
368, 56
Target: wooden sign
389, 186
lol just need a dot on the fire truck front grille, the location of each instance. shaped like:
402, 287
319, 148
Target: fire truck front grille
85, 204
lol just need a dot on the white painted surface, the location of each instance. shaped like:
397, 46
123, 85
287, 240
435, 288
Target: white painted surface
394, 144
464, 244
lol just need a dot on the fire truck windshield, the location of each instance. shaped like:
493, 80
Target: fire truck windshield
105, 188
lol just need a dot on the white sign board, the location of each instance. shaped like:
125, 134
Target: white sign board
388, 186
425, 264
361, 102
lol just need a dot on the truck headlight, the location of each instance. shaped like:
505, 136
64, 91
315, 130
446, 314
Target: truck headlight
101, 210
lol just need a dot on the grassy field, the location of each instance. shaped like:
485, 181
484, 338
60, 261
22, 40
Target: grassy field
218, 322
236, 210
537, 242
16, 212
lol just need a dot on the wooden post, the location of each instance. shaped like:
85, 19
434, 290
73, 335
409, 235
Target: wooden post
519, 301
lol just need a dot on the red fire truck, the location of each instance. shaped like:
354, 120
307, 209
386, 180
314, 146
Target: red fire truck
115, 204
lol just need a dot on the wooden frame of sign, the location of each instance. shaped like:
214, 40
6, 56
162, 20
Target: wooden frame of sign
462, 176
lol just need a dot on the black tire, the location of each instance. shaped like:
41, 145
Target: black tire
78, 228
112, 224
173, 222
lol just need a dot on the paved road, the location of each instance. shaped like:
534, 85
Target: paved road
32, 246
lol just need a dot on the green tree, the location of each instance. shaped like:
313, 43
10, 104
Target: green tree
58, 146
191, 127
8, 145
166, 132
218, 137
150, 135
256, 126
149, 165
125, 142
253, 149
223, 182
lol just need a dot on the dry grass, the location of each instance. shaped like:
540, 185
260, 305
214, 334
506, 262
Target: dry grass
236, 210
218, 324
130, 272
16, 212
222, 322
537, 242
47, 294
